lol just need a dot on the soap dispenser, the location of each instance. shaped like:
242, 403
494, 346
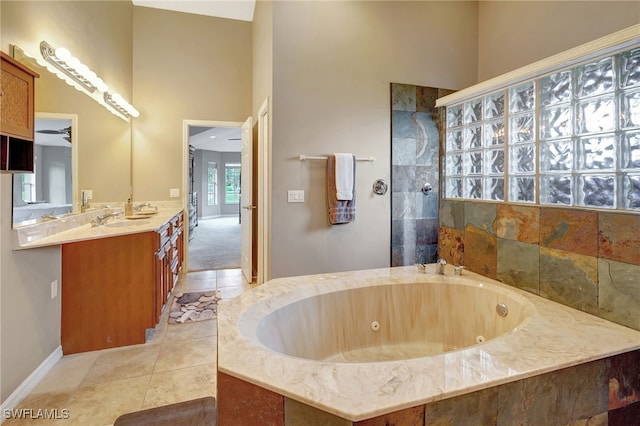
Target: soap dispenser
128, 208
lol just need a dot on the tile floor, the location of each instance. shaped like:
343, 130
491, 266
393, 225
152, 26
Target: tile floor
177, 364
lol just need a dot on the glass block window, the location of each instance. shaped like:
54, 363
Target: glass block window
474, 159
522, 142
571, 138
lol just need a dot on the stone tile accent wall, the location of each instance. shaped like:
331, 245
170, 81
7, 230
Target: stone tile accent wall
242, 403
589, 260
414, 161
602, 392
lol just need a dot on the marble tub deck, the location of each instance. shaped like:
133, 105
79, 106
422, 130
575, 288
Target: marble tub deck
557, 337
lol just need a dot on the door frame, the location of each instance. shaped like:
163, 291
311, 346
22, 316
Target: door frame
264, 192
185, 171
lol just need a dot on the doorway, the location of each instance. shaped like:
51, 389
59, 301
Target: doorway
213, 196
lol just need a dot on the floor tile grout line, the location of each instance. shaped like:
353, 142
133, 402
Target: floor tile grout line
186, 367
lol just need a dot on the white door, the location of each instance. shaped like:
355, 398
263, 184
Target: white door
246, 199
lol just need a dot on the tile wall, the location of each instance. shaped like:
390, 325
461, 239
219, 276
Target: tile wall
589, 260
602, 392
414, 161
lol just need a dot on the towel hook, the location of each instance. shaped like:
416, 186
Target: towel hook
380, 187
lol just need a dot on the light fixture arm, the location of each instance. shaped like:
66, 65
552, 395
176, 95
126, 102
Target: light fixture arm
80, 74
120, 105
49, 54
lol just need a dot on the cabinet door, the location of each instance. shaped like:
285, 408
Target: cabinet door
107, 292
158, 284
17, 100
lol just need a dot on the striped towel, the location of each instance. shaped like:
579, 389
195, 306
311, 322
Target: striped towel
340, 211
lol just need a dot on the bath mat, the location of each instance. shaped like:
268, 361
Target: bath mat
195, 306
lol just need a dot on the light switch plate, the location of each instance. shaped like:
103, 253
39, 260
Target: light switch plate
174, 192
88, 193
54, 289
295, 196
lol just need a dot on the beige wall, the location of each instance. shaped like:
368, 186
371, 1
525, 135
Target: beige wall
99, 33
185, 67
262, 40
333, 63
515, 34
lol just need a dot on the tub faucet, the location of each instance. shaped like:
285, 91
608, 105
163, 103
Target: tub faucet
102, 219
440, 264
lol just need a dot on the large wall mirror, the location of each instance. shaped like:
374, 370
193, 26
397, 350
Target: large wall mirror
51, 190
101, 141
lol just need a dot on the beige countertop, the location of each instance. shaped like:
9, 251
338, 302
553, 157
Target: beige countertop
78, 228
556, 337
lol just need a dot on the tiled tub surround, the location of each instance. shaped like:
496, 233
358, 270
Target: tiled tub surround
589, 260
561, 357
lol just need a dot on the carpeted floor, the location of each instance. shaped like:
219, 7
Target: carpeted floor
215, 244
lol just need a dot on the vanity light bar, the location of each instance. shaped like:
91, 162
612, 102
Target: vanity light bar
119, 104
72, 67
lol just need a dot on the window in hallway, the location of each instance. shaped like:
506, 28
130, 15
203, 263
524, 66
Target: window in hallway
232, 183
212, 184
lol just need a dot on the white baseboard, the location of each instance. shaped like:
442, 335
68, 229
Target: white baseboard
30, 382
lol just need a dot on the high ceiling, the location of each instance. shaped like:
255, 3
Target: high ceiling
230, 9
221, 139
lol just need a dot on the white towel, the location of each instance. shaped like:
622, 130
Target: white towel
344, 176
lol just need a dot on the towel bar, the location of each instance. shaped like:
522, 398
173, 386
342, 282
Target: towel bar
308, 157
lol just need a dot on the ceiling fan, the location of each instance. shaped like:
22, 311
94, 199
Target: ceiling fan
66, 131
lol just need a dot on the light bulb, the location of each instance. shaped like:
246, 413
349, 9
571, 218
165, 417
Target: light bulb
100, 84
62, 54
73, 62
92, 77
83, 70
133, 112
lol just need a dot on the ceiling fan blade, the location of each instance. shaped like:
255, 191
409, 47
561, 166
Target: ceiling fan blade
52, 132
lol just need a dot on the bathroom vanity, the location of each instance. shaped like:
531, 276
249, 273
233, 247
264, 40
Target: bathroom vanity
116, 278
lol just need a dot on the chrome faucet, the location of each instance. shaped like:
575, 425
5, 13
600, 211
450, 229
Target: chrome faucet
140, 206
85, 202
440, 264
102, 219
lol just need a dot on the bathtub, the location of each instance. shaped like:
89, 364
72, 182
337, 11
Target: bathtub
362, 344
393, 322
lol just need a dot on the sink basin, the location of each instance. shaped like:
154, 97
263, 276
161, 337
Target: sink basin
126, 223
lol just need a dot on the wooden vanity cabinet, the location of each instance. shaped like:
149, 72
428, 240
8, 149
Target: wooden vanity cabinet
107, 292
115, 288
17, 108
168, 262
